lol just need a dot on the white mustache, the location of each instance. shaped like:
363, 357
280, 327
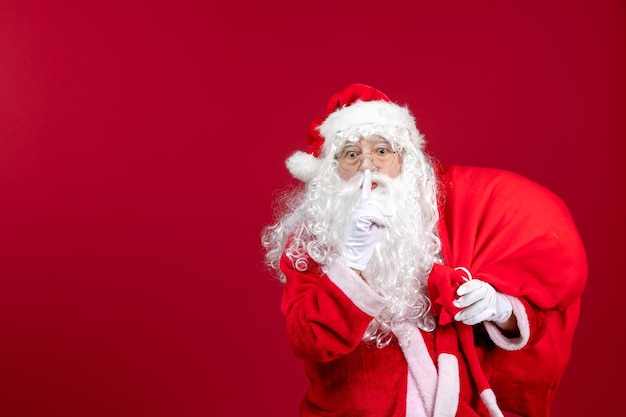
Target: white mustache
353, 188
380, 179
354, 184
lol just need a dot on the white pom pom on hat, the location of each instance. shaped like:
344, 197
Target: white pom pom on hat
360, 108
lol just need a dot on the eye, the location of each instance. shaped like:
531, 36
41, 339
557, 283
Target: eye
351, 154
383, 150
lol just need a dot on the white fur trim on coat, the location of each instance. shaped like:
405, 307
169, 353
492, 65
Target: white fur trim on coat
358, 291
422, 375
448, 386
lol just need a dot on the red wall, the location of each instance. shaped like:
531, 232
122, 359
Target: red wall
141, 144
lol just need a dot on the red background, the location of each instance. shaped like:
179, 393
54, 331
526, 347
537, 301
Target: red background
141, 144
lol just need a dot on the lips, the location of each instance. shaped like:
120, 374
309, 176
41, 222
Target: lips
374, 185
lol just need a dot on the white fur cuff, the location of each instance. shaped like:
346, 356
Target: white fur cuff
522, 323
357, 290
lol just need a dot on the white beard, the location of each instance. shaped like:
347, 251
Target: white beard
403, 258
316, 220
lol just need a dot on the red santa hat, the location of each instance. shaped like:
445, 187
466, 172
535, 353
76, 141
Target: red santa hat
357, 111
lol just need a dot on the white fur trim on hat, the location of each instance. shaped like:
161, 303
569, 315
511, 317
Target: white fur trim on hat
303, 166
364, 118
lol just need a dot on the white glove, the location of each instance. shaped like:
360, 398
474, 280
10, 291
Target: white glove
367, 221
481, 302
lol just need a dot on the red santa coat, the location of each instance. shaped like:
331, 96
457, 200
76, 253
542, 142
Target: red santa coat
505, 230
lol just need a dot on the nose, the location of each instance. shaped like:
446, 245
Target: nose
367, 163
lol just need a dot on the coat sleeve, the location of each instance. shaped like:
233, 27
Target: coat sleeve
326, 313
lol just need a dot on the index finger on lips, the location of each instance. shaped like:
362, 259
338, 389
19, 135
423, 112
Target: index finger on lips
367, 185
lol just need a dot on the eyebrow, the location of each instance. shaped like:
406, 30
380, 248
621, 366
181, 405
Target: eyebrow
376, 140
379, 139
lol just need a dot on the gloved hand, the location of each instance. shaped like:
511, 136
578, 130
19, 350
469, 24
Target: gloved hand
367, 221
481, 302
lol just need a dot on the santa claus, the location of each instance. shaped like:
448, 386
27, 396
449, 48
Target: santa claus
413, 289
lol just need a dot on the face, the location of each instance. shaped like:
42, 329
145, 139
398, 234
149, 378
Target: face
374, 153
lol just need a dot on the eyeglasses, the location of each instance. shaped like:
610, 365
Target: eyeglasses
351, 157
